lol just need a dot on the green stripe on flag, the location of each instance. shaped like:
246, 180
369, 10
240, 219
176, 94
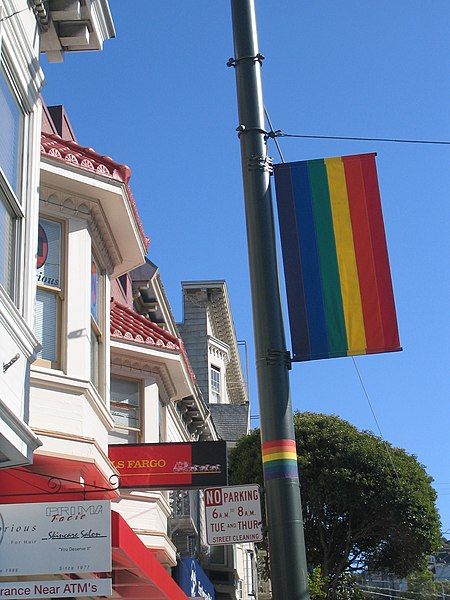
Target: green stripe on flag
331, 287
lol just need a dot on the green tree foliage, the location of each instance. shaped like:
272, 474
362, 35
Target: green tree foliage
366, 504
422, 586
346, 587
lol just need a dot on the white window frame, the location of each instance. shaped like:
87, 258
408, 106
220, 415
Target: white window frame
215, 382
250, 572
162, 421
59, 293
97, 328
138, 431
12, 198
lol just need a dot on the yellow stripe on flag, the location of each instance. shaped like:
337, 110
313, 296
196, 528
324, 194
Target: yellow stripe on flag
345, 249
280, 456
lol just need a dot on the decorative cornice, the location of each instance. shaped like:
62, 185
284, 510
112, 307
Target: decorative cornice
55, 147
56, 202
143, 366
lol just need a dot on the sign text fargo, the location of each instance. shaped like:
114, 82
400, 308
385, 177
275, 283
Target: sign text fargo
170, 465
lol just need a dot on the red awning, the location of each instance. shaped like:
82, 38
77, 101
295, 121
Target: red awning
55, 479
137, 575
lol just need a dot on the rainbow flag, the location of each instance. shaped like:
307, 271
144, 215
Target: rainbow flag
336, 264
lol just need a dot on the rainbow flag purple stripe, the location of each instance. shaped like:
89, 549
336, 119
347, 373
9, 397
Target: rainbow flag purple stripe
279, 459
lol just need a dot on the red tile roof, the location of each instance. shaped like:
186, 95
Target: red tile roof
128, 325
68, 151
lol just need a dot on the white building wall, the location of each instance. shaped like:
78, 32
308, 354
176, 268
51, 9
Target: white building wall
19, 48
77, 311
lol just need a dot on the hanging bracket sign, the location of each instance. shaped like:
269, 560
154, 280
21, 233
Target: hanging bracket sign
55, 537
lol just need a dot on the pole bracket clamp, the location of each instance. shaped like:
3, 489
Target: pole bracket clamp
243, 129
260, 163
279, 357
232, 62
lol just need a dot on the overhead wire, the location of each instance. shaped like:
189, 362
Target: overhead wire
280, 133
372, 589
17, 12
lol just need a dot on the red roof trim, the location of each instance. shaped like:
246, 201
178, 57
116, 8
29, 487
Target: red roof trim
128, 325
68, 151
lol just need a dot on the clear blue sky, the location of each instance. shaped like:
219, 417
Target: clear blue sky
160, 98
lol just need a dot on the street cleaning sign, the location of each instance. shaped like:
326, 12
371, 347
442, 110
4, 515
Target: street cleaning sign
233, 515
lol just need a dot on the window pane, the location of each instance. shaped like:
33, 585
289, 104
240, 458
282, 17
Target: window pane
95, 349
125, 406
46, 323
10, 127
218, 555
123, 436
6, 247
94, 290
48, 261
162, 421
215, 384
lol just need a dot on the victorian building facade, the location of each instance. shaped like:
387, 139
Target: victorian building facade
213, 349
91, 355
26, 30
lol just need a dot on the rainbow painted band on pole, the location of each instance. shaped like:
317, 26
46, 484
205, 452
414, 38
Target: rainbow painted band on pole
279, 459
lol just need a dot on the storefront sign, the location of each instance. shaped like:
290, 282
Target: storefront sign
233, 515
56, 588
56, 537
189, 465
193, 580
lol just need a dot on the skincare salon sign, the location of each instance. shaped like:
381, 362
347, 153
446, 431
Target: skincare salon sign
56, 537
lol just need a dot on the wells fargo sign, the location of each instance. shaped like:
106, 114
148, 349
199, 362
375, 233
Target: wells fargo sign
170, 465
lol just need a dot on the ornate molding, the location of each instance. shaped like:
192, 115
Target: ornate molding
141, 366
57, 203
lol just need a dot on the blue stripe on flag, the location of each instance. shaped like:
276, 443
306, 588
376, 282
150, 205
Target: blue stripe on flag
309, 257
292, 266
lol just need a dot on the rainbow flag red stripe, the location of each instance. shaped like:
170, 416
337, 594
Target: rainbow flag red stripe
336, 263
279, 459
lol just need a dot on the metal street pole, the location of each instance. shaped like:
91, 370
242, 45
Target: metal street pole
282, 492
